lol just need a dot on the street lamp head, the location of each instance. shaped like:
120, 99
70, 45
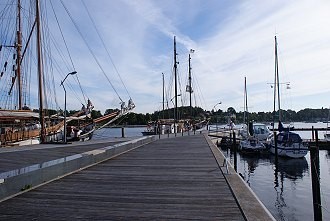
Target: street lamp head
217, 104
71, 73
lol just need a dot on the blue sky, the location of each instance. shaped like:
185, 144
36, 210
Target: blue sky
231, 39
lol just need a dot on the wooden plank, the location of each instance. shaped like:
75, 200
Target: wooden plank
10, 160
175, 178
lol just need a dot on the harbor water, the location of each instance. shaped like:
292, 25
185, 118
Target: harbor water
286, 191
117, 132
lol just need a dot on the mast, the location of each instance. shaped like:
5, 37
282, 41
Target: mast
176, 87
245, 103
163, 96
40, 74
19, 56
190, 89
276, 86
246, 110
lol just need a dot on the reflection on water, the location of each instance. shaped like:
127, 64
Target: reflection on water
285, 188
292, 169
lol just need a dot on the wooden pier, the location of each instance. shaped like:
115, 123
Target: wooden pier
183, 178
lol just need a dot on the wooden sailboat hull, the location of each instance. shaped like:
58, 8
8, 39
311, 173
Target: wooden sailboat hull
21, 138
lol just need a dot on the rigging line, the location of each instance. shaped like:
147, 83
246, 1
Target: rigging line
60, 70
170, 88
48, 64
59, 27
46, 53
166, 100
61, 55
180, 90
111, 126
29, 77
90, 50
166, 97
202, 100
98, 33
186, 83
67, 49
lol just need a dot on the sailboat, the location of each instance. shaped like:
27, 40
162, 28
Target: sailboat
19, 124
174, 125
289, 144
177, 124
249, 142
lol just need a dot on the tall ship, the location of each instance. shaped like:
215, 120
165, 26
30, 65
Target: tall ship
177, 119
29, 108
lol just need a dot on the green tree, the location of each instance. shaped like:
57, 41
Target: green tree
110, 111
96, 114
231, 110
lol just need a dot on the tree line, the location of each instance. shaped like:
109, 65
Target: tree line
305, 115
219, 116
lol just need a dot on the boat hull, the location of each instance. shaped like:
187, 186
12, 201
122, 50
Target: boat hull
251, 146
147, 133
294, 151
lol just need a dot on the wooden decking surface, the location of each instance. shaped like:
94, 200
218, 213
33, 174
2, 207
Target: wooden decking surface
169, 179
14, 158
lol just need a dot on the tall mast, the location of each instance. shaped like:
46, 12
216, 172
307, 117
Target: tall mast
176, 87
245, 103
40, 74
276, 86
190, 89
163, 96
18, 51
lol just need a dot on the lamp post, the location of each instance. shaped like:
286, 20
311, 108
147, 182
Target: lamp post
175, 114
217, 115
62, 83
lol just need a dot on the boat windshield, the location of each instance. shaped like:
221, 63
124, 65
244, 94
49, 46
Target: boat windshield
260, 129
289, 137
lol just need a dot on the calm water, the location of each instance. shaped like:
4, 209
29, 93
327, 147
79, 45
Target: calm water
116, 132
288, 193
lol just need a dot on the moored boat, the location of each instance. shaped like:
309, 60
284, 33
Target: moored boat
27, 65
289, 144
249, 142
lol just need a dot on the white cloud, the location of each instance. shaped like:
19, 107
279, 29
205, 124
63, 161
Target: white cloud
245, 46
232, 39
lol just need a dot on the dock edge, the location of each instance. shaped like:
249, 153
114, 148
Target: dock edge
249, 203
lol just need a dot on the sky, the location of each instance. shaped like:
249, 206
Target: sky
231, 40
